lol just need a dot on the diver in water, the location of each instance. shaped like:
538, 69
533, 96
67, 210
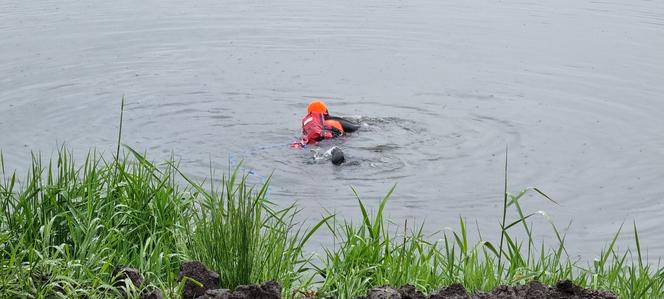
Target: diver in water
318, 125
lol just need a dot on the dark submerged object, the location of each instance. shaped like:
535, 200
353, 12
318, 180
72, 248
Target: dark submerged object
337, 156
349, 126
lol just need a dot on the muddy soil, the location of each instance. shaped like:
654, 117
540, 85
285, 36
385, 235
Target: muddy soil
268, 290
207, 280
208, 288
532, 290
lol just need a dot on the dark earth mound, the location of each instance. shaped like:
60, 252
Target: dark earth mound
122, 276
268, 290
198, 272
207, 287
533, 290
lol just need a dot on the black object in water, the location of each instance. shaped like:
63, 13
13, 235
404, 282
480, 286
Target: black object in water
337, 156
349, 126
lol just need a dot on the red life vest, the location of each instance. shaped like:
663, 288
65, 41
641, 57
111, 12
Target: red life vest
314, 128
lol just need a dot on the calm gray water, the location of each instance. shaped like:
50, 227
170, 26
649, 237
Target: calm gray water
573, 87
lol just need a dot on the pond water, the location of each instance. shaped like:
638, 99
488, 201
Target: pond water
574, 88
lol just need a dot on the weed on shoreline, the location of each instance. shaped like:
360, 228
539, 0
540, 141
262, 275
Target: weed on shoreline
64, 229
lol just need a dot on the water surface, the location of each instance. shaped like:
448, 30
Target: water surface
573, 88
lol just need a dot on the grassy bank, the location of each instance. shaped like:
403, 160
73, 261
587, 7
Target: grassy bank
64, 228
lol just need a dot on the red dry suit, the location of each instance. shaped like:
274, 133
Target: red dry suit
315, 128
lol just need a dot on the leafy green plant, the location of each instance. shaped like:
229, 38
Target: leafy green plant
63, 229
368, 255
239, 233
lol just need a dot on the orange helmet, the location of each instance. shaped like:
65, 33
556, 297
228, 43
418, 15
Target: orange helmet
317, 106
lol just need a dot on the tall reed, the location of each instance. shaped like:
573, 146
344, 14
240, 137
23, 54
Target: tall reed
64, 228
367, 254
238, 232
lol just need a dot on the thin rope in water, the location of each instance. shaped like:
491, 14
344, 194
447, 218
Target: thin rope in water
249, 171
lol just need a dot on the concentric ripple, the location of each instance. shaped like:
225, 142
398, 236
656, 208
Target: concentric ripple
571, 90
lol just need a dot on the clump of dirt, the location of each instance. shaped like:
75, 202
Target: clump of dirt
268, 290
384, 292
533, 290
453, 291
121, 274
562, 290
198, 272
410, 292
151, 293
